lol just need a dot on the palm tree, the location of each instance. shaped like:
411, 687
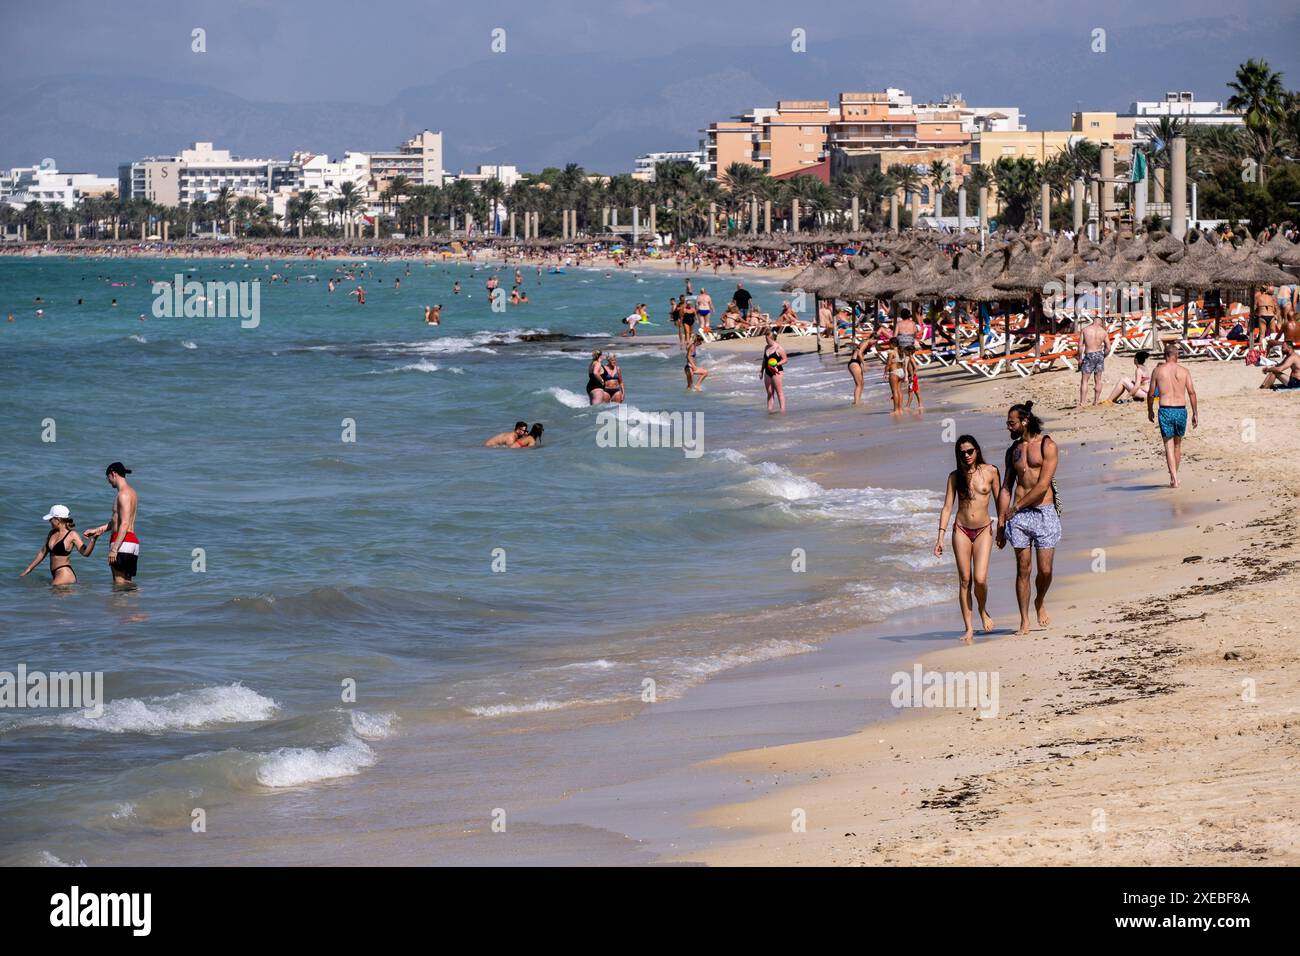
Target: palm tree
308, 207
1258, 94
351, 200
939, 172
244, 209
398, 187
1017, 182
221, 204
494, 193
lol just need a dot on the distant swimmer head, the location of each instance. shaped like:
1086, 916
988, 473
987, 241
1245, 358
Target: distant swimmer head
1022, 421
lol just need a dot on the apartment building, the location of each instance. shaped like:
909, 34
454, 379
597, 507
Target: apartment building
45, 184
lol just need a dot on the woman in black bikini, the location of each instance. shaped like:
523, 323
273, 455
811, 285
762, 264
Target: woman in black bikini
972, 486
59, 545
596, 380
772, 371
612, 377
855, 367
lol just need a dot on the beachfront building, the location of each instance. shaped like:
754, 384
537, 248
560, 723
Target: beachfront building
801, 134
1145, 115
45, 184
644, 169
419, 159
199, 173
987, 147
506, 175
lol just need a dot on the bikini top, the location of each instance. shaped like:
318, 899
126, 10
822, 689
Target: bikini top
60, 550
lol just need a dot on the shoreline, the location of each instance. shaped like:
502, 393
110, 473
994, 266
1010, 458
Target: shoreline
1112, 743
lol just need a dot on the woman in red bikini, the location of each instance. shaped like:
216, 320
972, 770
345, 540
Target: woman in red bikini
972, 486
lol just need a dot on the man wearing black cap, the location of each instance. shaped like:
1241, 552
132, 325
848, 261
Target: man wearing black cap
123, 545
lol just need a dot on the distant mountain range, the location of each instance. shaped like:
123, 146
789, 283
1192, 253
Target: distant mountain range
603, 111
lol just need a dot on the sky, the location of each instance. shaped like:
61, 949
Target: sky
291, 51
96, 83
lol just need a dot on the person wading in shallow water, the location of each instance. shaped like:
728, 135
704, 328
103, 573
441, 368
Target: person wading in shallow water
1027, 512
971, 486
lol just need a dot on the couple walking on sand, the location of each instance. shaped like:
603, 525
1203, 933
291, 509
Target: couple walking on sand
63, 539
1027, 515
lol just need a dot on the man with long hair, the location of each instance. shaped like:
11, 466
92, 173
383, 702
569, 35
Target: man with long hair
1028, 515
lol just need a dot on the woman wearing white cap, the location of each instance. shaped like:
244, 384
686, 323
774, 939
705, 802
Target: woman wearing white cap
59, 544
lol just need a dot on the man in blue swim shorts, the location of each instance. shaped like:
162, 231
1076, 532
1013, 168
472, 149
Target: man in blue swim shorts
1173, 384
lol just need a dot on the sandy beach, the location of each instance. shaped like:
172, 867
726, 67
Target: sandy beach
1154, 723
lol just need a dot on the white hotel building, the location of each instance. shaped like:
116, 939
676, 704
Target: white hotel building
45, 184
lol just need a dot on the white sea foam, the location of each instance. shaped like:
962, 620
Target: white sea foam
779, 482
187, 344
139, 338
187, 710
372, 726
505, 710
297, 766
739, 656
567, 398
899, 597
46, 858
424, 365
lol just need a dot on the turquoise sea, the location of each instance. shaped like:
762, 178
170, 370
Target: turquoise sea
474, 598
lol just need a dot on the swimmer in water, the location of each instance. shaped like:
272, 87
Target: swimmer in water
59, 545
433, 316
507, 439
455, 287
532, 439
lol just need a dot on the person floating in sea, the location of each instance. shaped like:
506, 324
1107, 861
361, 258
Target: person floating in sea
433, 316
695, 375
772, 371
1093, 341
123, 545
1028, 513
532, 439
59, 545
1172, 382
506, 439
455, 287
971, 487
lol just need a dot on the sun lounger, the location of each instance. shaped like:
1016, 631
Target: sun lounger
992, 367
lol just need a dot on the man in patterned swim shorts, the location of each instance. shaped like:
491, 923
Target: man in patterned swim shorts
1027, 514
